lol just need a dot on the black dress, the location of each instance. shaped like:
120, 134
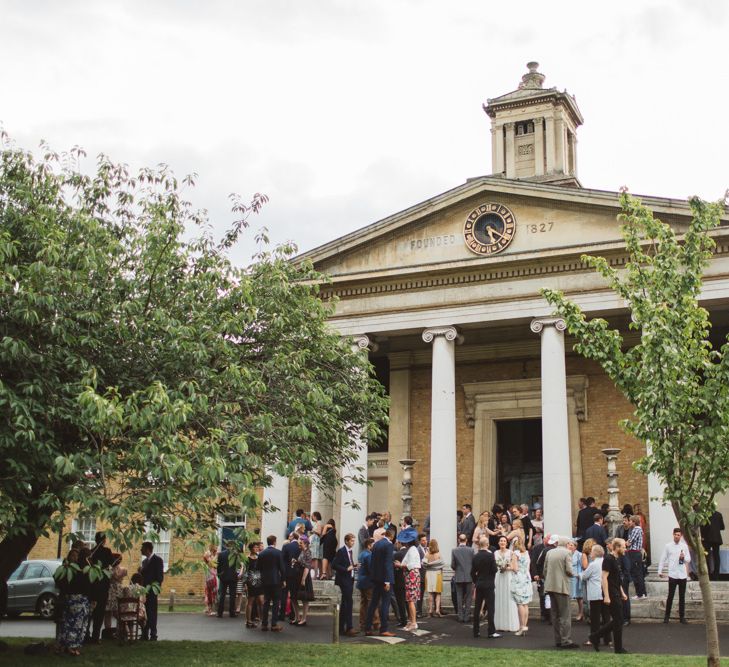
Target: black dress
329, 544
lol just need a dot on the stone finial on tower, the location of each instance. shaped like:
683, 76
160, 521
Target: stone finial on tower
532, 79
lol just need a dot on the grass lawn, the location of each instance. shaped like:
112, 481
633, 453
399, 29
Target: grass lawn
209, 654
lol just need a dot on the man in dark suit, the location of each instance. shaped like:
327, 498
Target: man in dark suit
273, 572
483, 574
597, 530
383, 577
227, 581
585, 516
101, 556
711, 537
468, 523
344, 573
153, 572
289, 553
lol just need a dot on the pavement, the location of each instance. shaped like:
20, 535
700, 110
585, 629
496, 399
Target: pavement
655, 638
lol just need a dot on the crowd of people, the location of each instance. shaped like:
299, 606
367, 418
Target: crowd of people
503, 558
87, 603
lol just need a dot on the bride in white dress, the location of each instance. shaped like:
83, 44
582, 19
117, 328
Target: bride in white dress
506, 616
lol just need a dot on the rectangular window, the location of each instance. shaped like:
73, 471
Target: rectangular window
85, 528
162, 547
227, 526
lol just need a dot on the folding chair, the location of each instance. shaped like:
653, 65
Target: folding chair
128, 620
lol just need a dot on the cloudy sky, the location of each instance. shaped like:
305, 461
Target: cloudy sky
344, 111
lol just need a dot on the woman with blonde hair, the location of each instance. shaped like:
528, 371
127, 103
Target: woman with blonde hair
482, 529
521, 583
576, 583
586, 552
434, 565
517, 531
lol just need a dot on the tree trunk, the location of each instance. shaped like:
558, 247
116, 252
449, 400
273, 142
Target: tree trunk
693, 537
13, 551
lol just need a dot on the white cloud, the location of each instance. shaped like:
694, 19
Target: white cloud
344, 112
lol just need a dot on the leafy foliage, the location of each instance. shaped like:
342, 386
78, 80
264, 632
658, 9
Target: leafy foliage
144, 379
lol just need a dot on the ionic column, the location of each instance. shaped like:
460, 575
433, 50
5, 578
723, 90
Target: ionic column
443, 490
321, 502
351, 517
549, 135
276, 495
555, 432
661, 519
560, 144
538, 146
497, 142
510, 151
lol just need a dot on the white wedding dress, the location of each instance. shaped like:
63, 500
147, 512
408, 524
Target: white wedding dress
506, 616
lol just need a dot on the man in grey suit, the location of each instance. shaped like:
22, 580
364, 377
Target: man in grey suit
461, 562
557, 578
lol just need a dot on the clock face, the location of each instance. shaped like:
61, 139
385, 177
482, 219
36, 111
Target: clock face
489, 228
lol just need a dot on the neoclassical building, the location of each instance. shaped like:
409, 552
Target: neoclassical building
487, 397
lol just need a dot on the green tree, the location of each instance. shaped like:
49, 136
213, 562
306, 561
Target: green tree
675, 379
144, 379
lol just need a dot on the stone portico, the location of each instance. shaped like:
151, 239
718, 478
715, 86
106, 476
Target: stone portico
447, 296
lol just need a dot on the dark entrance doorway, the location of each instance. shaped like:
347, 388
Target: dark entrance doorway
519, 461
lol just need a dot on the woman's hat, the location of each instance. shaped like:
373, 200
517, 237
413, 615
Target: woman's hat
407, 535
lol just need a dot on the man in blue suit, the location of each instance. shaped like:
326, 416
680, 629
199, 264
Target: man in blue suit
153, 571
271, 566
344, 572
596, 531
382, 579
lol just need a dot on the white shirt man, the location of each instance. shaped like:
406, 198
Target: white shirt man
675, 559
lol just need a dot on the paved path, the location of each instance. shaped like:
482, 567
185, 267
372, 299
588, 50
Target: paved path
638, 638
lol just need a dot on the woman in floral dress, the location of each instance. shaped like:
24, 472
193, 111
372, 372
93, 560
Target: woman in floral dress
411, 566
521, 584
76, 590
211, 579
118, 574
315, 544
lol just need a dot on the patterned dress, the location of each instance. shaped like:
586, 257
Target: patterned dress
576, 582
118, 574
76, 612
521, 581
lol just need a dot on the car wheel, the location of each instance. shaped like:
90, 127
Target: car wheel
46, 606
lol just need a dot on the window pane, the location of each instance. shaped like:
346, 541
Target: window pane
34, 571
16, 575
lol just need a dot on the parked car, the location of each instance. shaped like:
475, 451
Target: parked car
32, 588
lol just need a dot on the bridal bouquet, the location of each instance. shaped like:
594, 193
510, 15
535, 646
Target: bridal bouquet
502, 562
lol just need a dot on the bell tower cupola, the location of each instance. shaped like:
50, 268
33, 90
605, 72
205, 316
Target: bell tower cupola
534, 132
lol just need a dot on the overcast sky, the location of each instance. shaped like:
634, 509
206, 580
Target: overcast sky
344, 112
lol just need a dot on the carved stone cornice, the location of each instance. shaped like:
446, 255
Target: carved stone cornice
449, 333
523, 392
537, 326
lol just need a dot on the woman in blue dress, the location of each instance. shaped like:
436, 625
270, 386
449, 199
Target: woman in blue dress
576, 583
521, 583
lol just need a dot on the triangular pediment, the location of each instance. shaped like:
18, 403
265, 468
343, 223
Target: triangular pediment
548, 221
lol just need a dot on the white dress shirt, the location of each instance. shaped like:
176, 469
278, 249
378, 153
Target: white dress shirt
670, 557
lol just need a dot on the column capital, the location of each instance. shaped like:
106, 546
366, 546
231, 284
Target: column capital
537, 325
449, 333
363, 342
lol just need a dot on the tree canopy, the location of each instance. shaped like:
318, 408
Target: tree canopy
143, 377
677, 381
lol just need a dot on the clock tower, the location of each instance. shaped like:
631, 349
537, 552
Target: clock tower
534, 132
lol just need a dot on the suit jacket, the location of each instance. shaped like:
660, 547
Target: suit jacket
153, 569
585, 518
382, 558
364, 576
711, 533
468, 525
270, 563
597, 533
290, 552
558, 571
342, 576
364, 534
461, 561
483, 569
226, 573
